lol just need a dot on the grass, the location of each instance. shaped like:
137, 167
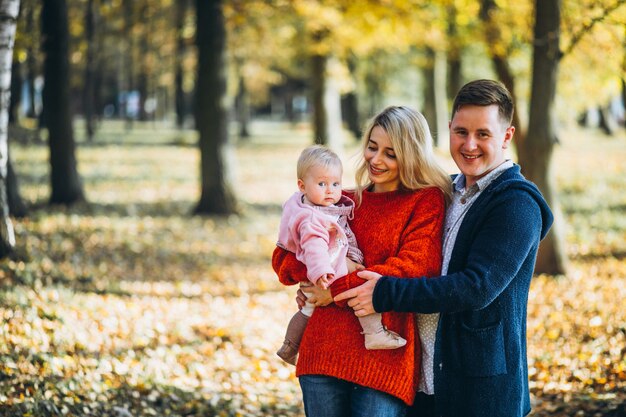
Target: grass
128, 305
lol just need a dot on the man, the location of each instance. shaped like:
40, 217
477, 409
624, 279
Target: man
491, 236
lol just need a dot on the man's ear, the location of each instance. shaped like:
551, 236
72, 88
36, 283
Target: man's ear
508, 136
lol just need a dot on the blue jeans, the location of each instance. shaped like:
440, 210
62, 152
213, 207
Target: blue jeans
325, 396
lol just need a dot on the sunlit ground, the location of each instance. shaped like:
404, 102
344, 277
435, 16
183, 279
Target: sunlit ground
128, 304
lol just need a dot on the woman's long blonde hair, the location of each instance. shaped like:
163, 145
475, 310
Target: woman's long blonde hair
413, 146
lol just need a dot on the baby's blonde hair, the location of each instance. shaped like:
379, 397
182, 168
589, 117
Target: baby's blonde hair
413, 146
317, 156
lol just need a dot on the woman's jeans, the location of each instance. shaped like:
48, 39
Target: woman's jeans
325, 396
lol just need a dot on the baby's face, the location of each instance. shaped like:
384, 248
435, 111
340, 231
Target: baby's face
322, 185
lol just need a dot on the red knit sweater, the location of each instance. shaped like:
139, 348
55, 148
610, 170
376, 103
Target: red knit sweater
399, 234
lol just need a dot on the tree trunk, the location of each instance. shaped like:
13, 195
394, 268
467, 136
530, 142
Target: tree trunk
144, 53
64, 179
350, 103
89, 89
17, 208
535, 155
332, 107
455, 79
31, 60
16, 91
242, 105
181, 10
607, 122
493, 35
217, 196
435, 95
130, 110
624, 93
9, 9
318, 89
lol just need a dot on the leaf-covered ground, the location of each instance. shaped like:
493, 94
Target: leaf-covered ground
129, 306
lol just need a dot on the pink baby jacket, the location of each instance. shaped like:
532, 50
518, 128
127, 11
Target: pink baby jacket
319, 236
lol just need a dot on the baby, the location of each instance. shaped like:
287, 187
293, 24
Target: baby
314, 225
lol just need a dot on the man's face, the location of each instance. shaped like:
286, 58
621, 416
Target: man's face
478, 139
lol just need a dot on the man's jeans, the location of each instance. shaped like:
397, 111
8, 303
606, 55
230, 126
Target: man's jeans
325, 396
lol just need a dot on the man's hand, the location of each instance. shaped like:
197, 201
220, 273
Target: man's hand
317, 296
360, 298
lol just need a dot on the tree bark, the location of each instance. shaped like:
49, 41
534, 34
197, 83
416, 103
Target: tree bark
129, 64
65, 182
455, 78
31, 60
9, 10
90, 62
17, 208
350, 102
181, 11
144, 53
217, 196
242, 105
16, 91
493, 35
435, 95
535, 154
318, 89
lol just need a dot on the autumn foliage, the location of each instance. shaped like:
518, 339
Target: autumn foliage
130, 306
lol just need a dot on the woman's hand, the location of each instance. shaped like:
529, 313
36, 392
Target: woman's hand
353, 266
360, 298
316, 296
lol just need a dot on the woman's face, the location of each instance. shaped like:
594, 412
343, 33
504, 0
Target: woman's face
382, 165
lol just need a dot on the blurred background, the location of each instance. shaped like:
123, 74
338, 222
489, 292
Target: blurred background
147, 147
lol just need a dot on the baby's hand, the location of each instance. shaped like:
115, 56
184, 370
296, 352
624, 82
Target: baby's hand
322, 281
353, 266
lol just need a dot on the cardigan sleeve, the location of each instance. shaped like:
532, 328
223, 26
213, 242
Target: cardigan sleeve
503, 239
420, 247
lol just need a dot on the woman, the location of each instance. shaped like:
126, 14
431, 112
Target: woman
400, 201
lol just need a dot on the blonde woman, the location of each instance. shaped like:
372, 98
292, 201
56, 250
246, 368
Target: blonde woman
400, 200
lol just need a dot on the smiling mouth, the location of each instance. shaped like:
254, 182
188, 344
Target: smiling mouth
470, 156
377, 171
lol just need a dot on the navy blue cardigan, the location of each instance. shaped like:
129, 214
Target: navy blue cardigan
480, 361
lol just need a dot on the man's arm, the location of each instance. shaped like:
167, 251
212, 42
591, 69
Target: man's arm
496, 254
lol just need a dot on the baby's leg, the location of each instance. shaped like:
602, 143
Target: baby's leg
295, 329
377, 336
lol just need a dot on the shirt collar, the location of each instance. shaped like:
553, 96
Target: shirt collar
459, 182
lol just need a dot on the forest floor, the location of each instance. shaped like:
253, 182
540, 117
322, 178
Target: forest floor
130, 306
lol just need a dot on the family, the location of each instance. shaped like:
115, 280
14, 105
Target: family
414, 285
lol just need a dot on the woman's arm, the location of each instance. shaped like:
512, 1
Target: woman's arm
290, 271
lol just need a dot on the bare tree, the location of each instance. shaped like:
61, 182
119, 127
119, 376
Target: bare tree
9, 10
211, 115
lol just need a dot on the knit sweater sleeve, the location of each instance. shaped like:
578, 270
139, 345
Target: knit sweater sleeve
505, 235
290, 271
419, 253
